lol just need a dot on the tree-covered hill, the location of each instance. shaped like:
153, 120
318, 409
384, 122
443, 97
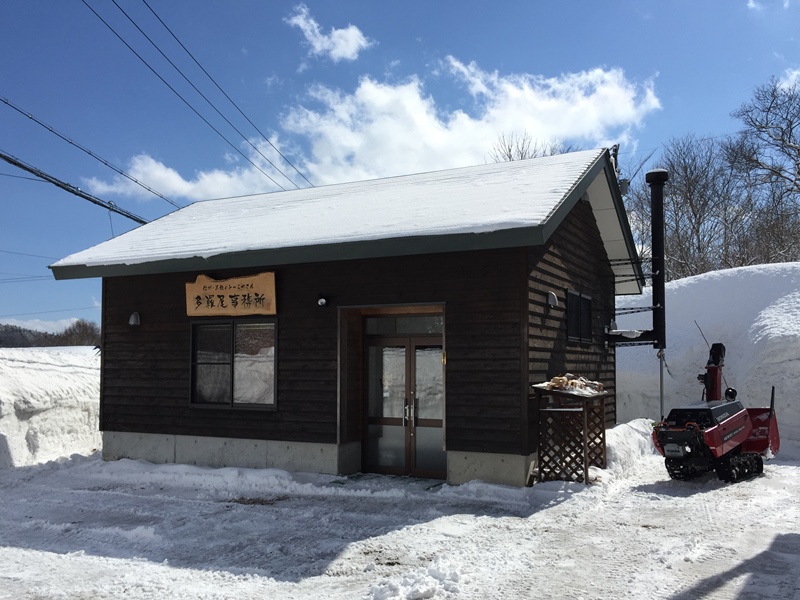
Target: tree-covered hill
80, 333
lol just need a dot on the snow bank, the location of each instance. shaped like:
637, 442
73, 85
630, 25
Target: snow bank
49, 403
753, 311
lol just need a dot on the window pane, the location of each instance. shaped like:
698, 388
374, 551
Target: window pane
386, 446
212, 343
430, 385
387, 381
573, 315
407, 325
586, 319
254, 364
212, 384
430, 452
404, 325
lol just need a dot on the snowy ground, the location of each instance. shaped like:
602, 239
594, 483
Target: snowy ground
82, 528
79, 528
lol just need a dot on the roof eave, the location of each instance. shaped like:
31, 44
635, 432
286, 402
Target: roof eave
381, 248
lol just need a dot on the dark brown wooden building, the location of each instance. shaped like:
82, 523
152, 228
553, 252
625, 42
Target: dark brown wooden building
390, 326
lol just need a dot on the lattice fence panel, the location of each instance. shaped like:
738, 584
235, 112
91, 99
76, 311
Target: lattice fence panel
567, 426
596, 434
561, 445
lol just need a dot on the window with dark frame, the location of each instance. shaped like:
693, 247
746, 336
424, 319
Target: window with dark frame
579, 317
233, 363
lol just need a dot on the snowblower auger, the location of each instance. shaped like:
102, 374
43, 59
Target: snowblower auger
717, 434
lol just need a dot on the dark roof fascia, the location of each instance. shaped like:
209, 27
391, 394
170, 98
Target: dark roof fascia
382, 248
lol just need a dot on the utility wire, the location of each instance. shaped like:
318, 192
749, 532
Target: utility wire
24, 279
70, 188
32, 255
186, 102
20, 177
25, 113
236, 106
44, 312
202, 95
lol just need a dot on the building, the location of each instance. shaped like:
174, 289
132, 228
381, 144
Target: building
391, 326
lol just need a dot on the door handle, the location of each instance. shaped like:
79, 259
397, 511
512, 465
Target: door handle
408, 415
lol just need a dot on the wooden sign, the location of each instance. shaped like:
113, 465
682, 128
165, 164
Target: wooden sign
237, 297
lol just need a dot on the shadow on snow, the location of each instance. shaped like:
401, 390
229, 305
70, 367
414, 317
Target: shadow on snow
293, 527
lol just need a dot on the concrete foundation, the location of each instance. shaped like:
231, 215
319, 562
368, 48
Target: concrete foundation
152, 447
505, 469
220, 452
229, 452
332, 459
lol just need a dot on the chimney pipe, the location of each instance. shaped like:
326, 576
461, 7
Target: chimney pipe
656, 180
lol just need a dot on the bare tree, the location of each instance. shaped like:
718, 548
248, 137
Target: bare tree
80, 333
706, 216
767, 154
522, 146
770, 144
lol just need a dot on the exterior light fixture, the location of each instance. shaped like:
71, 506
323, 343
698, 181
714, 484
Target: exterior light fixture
134, 320
552, 299
321, 301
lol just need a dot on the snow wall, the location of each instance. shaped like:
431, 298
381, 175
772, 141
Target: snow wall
753, 311
49, 404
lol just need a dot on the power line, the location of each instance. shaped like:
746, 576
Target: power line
25, 113
24, 279
45, 312
20, 274
236, 106
202, 95
186, 102
20, 177
32, 255
235, 197
70, 188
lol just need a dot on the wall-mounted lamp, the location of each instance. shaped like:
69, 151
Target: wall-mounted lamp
552, 299
321, 301
134, 320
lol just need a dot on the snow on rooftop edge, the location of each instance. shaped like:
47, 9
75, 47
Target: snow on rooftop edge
478, 199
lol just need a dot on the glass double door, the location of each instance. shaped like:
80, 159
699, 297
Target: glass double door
405, 406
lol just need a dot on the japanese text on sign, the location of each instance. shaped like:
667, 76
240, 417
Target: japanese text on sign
240, 296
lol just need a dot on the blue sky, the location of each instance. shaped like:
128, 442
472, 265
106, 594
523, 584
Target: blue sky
345, 90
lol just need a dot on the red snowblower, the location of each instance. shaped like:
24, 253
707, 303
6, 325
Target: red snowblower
718, 433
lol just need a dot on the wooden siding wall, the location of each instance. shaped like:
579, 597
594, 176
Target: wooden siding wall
573, 258
146, 370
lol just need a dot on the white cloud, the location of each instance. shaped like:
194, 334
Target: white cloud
384, 128
216, 183
273, 81
755, 5
339, 44
791, 77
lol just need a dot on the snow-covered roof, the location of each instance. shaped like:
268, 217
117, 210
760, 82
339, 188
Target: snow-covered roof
496, 205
